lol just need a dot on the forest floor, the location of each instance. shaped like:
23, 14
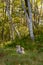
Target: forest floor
10, 57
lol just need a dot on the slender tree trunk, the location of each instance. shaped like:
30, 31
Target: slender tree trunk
30, 23
12, 25
15, 28
29, 18
18, 33
10, 19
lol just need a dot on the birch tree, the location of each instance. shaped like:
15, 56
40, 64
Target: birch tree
28, 14
10, 19
12, 25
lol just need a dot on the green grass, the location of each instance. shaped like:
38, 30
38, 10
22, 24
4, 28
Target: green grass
33, 51
27, 43
9, 56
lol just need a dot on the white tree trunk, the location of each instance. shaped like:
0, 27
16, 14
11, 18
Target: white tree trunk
12, 25
18, 33
29, 19
10, 19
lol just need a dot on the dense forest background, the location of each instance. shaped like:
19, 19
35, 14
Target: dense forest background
21, 23
14, 21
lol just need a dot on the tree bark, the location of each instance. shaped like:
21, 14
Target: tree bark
29, 18
12, 25
10, 19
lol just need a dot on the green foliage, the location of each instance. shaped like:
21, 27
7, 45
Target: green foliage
27, 43
8, 54
18, 18
24, 42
